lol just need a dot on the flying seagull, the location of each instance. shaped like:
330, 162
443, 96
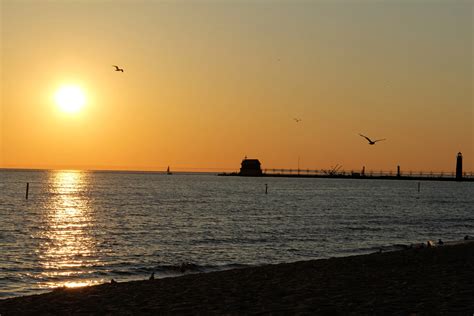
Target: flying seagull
117, 68
297, 120
371, 142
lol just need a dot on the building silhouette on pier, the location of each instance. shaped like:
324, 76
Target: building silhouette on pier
250, 167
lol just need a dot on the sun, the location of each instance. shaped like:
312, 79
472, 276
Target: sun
70, 98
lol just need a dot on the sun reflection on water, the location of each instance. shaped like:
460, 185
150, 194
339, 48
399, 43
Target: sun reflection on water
68, 245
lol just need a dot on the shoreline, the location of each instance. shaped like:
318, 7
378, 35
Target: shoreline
431, 280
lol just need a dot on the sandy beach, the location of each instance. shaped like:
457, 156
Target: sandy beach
428, 281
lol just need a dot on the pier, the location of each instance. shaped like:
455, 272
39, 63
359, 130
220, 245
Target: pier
381, 174
251, 167
371, 174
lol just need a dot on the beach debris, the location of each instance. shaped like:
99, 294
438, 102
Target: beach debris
186, 266
60, 288
417, 245
152, 276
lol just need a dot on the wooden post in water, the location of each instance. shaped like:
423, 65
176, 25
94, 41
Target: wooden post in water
419, 184
27, 189
266, 188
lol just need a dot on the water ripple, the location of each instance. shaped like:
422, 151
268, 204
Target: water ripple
81, 228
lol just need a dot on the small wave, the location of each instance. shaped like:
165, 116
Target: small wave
366, 228
8, 279
381, 248
187, 267
121, 272
394, 247
168, 270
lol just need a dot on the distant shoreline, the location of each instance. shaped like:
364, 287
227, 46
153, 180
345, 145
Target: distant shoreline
433, 280
158, 172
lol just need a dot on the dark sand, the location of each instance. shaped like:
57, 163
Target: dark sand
429, 281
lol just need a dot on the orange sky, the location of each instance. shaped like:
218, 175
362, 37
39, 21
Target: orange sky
207, 83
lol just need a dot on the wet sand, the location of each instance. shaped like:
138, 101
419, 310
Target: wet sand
428, 281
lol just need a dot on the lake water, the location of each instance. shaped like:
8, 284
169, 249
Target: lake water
81, 228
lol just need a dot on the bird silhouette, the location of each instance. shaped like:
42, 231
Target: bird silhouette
371, 142
297, 120
117, 68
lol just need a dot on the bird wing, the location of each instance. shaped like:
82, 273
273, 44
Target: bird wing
379, 140
116, 67
365, 137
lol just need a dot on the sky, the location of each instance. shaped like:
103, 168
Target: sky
206, 83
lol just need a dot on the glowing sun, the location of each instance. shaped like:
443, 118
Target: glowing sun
70, 99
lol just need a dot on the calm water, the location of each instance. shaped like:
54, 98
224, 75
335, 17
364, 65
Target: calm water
80, 228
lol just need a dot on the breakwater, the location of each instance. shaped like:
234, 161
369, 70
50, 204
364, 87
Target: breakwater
386, 175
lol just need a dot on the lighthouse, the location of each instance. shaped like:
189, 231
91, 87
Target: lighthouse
459, 167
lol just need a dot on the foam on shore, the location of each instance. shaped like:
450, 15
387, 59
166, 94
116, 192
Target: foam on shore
431, 280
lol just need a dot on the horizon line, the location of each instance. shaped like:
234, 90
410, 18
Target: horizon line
217, 170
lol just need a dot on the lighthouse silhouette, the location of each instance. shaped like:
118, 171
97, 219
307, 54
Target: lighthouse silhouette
459, 167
